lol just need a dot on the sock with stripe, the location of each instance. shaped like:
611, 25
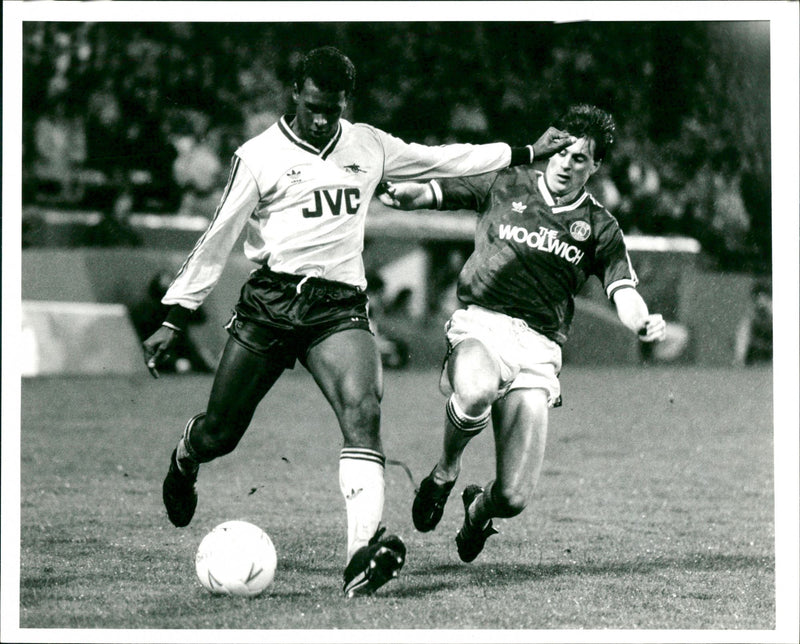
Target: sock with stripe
463, 421
186, 457
362, 485
460, 429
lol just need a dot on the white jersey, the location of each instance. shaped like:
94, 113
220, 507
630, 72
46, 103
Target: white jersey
305, 208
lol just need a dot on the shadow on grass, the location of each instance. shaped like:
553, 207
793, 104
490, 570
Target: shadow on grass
451, 576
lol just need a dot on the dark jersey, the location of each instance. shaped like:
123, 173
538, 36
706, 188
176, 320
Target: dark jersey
532, 256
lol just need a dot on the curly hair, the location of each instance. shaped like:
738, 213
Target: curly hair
330, 70
592, 122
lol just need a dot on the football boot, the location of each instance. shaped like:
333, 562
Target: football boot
428, 506
373, 565
179, 494
471, 539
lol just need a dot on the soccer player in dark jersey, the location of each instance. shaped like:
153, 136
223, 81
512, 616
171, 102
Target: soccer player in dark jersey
301, 189
540, 236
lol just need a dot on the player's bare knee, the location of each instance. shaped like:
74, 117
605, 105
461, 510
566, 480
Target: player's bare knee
364, 404
475, 395
360, 417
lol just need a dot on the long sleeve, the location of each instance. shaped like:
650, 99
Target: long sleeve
413, 161
463, 193
203, 267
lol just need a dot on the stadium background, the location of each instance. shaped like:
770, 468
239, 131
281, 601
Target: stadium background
128, 129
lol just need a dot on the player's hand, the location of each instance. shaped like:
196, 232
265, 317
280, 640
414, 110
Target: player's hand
407, 195
550, 142
654, 328
156, 348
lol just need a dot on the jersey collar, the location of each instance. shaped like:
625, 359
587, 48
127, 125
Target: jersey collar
550, 200
284, 126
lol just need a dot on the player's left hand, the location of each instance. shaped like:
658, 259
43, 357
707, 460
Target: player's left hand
550, 142
156, 348
654, 328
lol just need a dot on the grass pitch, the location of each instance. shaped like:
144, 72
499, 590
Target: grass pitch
654, 511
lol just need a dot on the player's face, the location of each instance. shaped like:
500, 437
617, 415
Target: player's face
318, 113
569, 170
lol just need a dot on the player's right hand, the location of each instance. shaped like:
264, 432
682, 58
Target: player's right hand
654, 328
550, 142
156, 348
406, 195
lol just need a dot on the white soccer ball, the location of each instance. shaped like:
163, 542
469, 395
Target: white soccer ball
236, 558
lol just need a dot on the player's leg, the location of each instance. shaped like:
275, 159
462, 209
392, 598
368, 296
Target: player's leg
520, 428
347, 368
242, 379
474, 377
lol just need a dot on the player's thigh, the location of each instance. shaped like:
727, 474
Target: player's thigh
347, 367
520, 429
474, 371
242, 379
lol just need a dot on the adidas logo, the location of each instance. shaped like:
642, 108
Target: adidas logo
518, 206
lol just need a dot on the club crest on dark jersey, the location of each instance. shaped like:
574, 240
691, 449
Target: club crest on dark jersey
580, 230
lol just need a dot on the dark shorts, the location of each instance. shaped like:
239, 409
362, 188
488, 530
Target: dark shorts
282, 316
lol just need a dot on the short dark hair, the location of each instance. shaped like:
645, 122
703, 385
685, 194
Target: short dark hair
330, 70
592, 122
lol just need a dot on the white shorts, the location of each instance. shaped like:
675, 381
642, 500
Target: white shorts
527, 359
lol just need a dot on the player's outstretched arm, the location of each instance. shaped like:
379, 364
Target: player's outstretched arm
633, 313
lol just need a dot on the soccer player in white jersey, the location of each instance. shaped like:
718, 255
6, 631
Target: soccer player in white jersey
540, 236
301, 189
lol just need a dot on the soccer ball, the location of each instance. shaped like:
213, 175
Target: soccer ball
236, 558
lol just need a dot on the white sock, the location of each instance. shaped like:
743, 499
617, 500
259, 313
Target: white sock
362, 485
463, 421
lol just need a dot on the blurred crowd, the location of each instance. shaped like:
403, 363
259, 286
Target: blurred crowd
123, 117
145, 123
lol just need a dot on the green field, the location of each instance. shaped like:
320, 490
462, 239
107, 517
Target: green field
654, 511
